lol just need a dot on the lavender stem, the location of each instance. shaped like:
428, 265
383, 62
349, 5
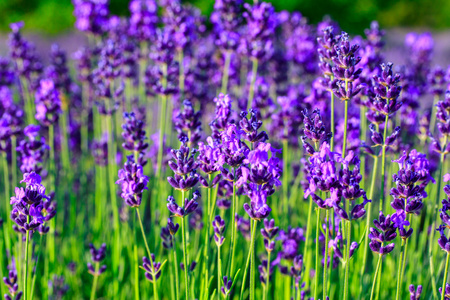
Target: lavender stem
376, 275
325, 266
226, 71
94, 283
316, 280
155, 289
251, 91
252, 261
445, 276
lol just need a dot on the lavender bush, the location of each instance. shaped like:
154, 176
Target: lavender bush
203, 155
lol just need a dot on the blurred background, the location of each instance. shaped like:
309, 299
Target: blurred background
52, 21
352, 15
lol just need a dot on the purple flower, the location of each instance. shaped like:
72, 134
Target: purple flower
446, 292
411, 181
226, 286
233, 148
269, 232
415, 293
219, 229
12, 284
259, 34
258, 208
29, 205
91, 15
189, 205
133, 182
133, 133
223, 115
290, 242
187, 123
58, 71
184, 165
143, 19
23, 53
97, 256
210, 157
420, 47
384, 231
48, 103
345, 69
262, 170
151, 273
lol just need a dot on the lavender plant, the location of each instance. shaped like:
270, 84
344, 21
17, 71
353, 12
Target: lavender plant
277, 148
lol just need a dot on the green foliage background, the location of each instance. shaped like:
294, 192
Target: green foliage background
55, 16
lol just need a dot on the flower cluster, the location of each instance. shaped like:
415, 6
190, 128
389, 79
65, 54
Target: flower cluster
91, 16
443, 241
97, 256
48, 103
345, 69
190, 205
184, 165
31, 206
261, 24
384, 232
12, 285
133, 182
168, 232
143, 20
411, 181
152, 269
219, 229
188, 123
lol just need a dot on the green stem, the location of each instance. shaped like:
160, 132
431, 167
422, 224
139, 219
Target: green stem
308, 238
285, 179
325, 266
181, 72
218, 272
251, 91
208, 228
344, 144
112, 173
362, 137
433, 280
14, 160
405, 255
226, 72
252, 262
332, 117
136, 261
244, 278
85, 119
155, 289
266, 286
175, 265
25, 276
172, 281
185, 260
162, 122
445, 275
433, 115
94, 283
383, 163
233, 225
369, 218
33, 281
402, 253
375, 277
316, 277
347, 262
7, 196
